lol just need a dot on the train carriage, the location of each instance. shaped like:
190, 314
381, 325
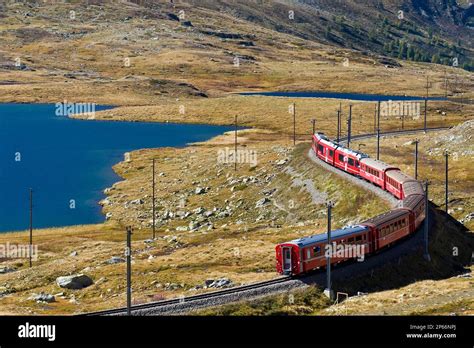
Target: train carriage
324, 148
416, 204
389, 227
348, 160
374, 171
412, 187
395, 180
309, 253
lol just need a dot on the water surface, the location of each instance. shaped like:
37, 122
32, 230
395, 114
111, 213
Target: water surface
335, 95
63, 159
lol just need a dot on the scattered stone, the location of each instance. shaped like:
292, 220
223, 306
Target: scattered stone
7, 269
74, 253
200, 190
75, 282
218, 283
42, 297
262, 202
137, 201
115, 259
281, 162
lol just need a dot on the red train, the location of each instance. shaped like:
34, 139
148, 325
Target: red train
306, 254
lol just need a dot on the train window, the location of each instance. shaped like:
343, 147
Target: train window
308, 254
350, 240
358, 238
376, 173
357, 164
350, 161
320, 148
316, 250
341, 158
331, 153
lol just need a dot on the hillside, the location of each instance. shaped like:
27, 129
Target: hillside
130, 54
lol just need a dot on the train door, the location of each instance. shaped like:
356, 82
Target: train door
286, 254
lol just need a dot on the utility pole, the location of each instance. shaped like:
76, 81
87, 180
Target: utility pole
378, 115
426, 101
378, 143
403, 119
31, 226
329, 251
446, 82
294, 124
375, 119
349, 125
235, 145
338, 124
416, 159
314, 125
153, 199
446, 154
426, 253
128, 254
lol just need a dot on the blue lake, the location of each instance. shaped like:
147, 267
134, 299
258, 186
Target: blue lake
334, 95
63, 159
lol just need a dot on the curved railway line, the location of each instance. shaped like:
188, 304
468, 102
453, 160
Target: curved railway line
281, 284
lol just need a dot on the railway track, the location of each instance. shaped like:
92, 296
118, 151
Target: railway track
195, 300
233, 294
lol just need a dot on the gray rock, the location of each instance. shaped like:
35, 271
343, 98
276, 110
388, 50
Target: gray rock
262, 202
75, 282
200, 190
6, 269
137, 201
42, 297
115, 259
74, 253
218, 283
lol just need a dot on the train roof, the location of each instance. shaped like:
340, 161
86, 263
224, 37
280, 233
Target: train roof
317, 238
351, 152
413, 188
412, 201
376, 164
329, 143
398, 176
320, 136
386, 217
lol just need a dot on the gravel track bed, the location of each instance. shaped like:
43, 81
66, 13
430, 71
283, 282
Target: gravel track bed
186, 307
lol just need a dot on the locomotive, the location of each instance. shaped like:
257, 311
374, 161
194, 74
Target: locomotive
309, 253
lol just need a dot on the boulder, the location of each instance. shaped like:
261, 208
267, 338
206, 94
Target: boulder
115, 259
6, 269
261, 202
200, 190
74, 282
42, 297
